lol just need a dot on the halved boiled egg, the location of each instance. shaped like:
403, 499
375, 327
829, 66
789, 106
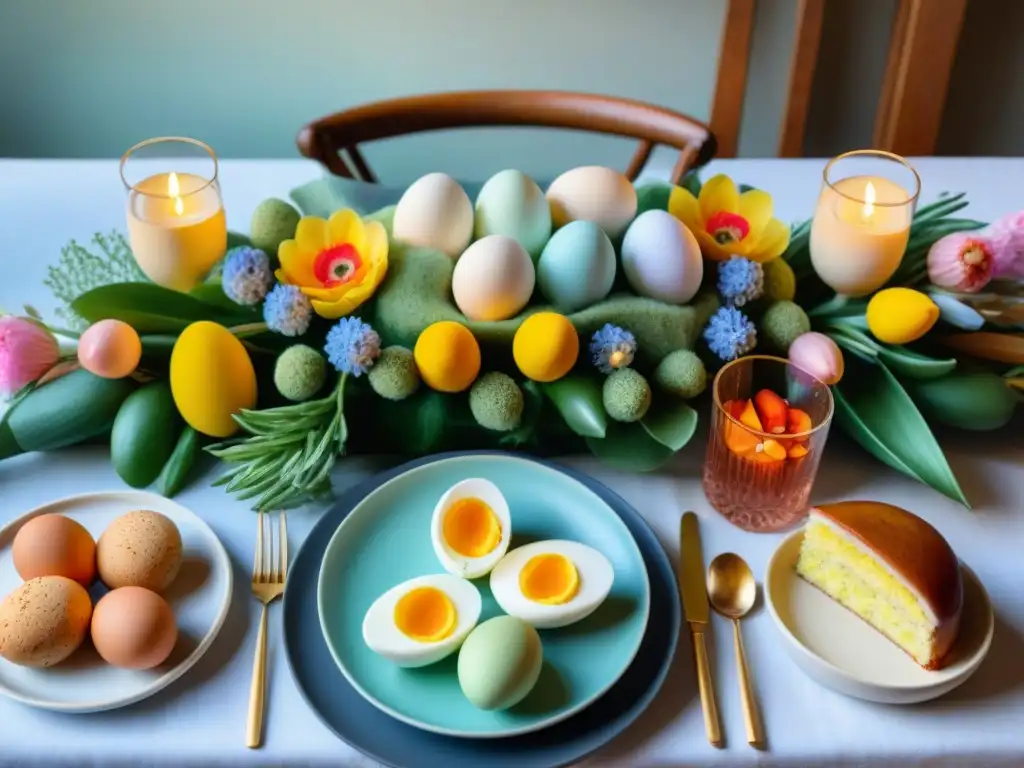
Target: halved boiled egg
422, 620
552, 583
471, 528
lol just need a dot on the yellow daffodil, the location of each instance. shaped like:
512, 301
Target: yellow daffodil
727, 223
337, 262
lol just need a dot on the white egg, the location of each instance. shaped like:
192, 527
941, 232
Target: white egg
422, 620
435, 212
661, 258
493, 279
552, 583
471, 528
593, 193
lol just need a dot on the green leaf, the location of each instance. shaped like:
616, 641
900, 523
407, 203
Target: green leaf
875, 410
533, 401
630, 448
578, 400
899, 359
150, 308
236, 239
977, 400
212, 293
671, 422
1013, 373
653, 197
692, 182
852, 345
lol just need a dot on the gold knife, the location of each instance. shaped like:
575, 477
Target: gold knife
692, 586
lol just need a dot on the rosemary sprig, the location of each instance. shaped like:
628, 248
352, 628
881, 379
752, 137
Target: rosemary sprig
289, 455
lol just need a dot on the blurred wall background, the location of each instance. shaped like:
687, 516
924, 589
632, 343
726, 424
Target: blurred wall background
89, 79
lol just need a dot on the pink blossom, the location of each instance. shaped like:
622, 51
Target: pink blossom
27, 351
1007, 235
962, 261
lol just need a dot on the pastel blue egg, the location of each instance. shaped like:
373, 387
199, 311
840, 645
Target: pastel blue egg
510, 203
577, 266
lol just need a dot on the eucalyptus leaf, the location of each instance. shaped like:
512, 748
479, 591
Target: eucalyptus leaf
578, 400
671, 422
149, 308
630, 448
874, 408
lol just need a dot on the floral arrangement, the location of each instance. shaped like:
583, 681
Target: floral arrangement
532, 324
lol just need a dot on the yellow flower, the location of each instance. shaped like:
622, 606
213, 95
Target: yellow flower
727, 223
337, 262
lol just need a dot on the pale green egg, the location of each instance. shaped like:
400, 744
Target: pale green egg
499, 663
510, 203
577, 267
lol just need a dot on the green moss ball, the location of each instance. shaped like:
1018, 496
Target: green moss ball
779, 280
626, 395
273, 222
299, 373
394, 375
783, 321
682, 373
496, 402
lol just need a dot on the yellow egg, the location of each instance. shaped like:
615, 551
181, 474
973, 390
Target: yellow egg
211, 378
901, 315
546, 346
448, 356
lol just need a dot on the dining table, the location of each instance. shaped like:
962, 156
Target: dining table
200, 719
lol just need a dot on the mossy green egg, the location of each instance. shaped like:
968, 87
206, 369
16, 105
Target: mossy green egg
510, 203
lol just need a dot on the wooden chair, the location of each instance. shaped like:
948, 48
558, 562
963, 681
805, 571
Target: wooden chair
330, 139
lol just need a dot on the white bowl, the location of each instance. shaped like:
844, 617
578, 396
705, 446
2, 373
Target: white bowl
843, 652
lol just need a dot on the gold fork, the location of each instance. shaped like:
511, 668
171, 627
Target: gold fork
268, 575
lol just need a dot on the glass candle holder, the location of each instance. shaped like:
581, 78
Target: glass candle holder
177, 229
768, 429
862, 223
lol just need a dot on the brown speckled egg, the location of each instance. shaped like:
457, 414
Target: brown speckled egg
44, 621
139, 549
133, 628
54, 545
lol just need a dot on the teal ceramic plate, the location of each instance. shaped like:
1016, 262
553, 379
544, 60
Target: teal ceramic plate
386, 540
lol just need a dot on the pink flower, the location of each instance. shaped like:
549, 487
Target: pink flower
1007, 235
27, 351
962, 261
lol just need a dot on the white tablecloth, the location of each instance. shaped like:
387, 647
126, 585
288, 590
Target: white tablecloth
200, 720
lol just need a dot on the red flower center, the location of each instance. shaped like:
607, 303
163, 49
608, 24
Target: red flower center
727, 227
976, 261
337, 265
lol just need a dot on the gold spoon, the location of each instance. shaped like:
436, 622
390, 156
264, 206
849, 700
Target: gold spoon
732, 591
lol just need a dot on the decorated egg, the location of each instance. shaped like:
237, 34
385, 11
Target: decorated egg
577, 266
110, 348
493, 279
500, 662
435, 212
661, 258
552, 583
471, 528
422, 620
510, 203
593, 193
211, 378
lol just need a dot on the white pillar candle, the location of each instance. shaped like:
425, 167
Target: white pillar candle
176, 228
859, 233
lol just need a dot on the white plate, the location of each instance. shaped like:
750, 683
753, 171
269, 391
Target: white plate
845, 653
200, 597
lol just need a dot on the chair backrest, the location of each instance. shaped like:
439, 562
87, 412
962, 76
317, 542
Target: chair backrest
330, 139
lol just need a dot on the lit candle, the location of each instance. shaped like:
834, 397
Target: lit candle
861, 227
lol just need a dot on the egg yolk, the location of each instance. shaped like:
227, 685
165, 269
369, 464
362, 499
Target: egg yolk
425, 614
550, 579
471, 528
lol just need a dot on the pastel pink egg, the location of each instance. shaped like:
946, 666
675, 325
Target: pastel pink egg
110, 348
817, 354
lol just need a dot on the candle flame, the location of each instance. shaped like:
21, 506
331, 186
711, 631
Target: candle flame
174, 190
869, 200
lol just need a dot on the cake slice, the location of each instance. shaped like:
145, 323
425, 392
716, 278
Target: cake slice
891, 569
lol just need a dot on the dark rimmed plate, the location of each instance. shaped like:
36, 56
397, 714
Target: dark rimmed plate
392, 742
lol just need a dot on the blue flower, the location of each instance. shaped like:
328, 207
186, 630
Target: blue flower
611, 348
246, 276
730, 334
740, 280
287, 310
352, 346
